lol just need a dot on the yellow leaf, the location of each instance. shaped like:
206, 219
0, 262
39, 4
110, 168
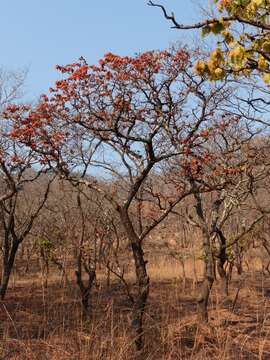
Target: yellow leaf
200, 67
219, 73
257, 2
262, 63
266, 78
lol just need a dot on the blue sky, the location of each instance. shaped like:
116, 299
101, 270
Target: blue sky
40, 34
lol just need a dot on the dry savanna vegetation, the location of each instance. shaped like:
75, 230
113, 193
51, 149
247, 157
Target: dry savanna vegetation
135, 202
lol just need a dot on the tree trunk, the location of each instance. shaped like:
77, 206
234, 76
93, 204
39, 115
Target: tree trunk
224, 278
142, 294
8, 263
221, 260
4, 282
203, 300
238, 259
86, 290
44, 266
142, 279
209, 276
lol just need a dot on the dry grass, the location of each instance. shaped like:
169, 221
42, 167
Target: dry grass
38, 323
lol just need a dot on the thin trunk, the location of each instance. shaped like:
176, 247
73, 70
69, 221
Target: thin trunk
238, 259
140, 299
207, 283
221, 260
184, 277
8, 264
28, 260
108, 278
230, 270
209, 265
142, 294
44, 266
195, 276
4, 282
85, 289
224, 278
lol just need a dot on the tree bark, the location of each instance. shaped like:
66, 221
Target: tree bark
86, 290
8, 262
206, 285
224, 278
221, 260
142, 279
209, 265
238, 259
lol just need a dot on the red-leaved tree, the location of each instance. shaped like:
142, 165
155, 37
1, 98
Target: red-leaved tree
123, 121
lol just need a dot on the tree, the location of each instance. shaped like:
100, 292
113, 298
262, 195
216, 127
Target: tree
17, 172
242, 28
127, 117
218, 174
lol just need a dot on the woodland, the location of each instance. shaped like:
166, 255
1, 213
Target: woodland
135, 201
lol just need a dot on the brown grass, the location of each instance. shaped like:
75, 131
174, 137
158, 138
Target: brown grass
38, 323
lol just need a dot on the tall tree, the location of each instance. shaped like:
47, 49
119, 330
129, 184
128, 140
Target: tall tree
127, 117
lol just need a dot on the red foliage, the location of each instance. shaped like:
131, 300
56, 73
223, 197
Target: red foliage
123, 100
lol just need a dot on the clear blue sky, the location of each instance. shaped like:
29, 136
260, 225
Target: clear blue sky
41, 33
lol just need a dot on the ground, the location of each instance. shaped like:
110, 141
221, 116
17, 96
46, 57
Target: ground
39, 323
